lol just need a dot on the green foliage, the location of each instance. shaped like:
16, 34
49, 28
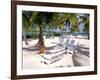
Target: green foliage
32, 21
56, 34
85, 20
25, 20
72, 22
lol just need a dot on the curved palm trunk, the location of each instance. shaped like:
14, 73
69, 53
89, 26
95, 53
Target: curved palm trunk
24, 37
40, 43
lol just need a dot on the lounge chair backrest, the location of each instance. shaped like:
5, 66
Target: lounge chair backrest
72, 42
76, 43
67, 41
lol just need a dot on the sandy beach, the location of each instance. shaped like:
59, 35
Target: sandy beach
32, 58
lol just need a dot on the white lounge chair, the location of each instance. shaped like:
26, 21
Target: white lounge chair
72, 46
51, 58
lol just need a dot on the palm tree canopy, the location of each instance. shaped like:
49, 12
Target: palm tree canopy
85, 20
50, 20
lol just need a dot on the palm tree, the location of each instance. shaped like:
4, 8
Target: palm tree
40, 20
52, 20
72, 22
69, 19
85, 21
25, 22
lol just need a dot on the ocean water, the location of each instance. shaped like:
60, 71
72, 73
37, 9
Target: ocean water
78, 35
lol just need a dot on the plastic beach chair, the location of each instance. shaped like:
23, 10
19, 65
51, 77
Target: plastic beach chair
71, 48
49, 59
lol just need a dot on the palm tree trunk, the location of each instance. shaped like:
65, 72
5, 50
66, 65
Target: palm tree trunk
24, 37
40, 43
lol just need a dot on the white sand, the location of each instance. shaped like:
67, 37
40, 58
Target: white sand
31, 59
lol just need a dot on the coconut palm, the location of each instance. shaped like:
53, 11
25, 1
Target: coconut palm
85, 21
69, 19
40, 20
72, 22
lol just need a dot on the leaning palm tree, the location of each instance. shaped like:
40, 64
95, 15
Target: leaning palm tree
40, 20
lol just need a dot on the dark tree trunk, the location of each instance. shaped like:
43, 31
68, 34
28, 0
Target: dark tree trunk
24, 37
40, 43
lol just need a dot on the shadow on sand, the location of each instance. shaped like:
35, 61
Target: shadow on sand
81, 56
35, 48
